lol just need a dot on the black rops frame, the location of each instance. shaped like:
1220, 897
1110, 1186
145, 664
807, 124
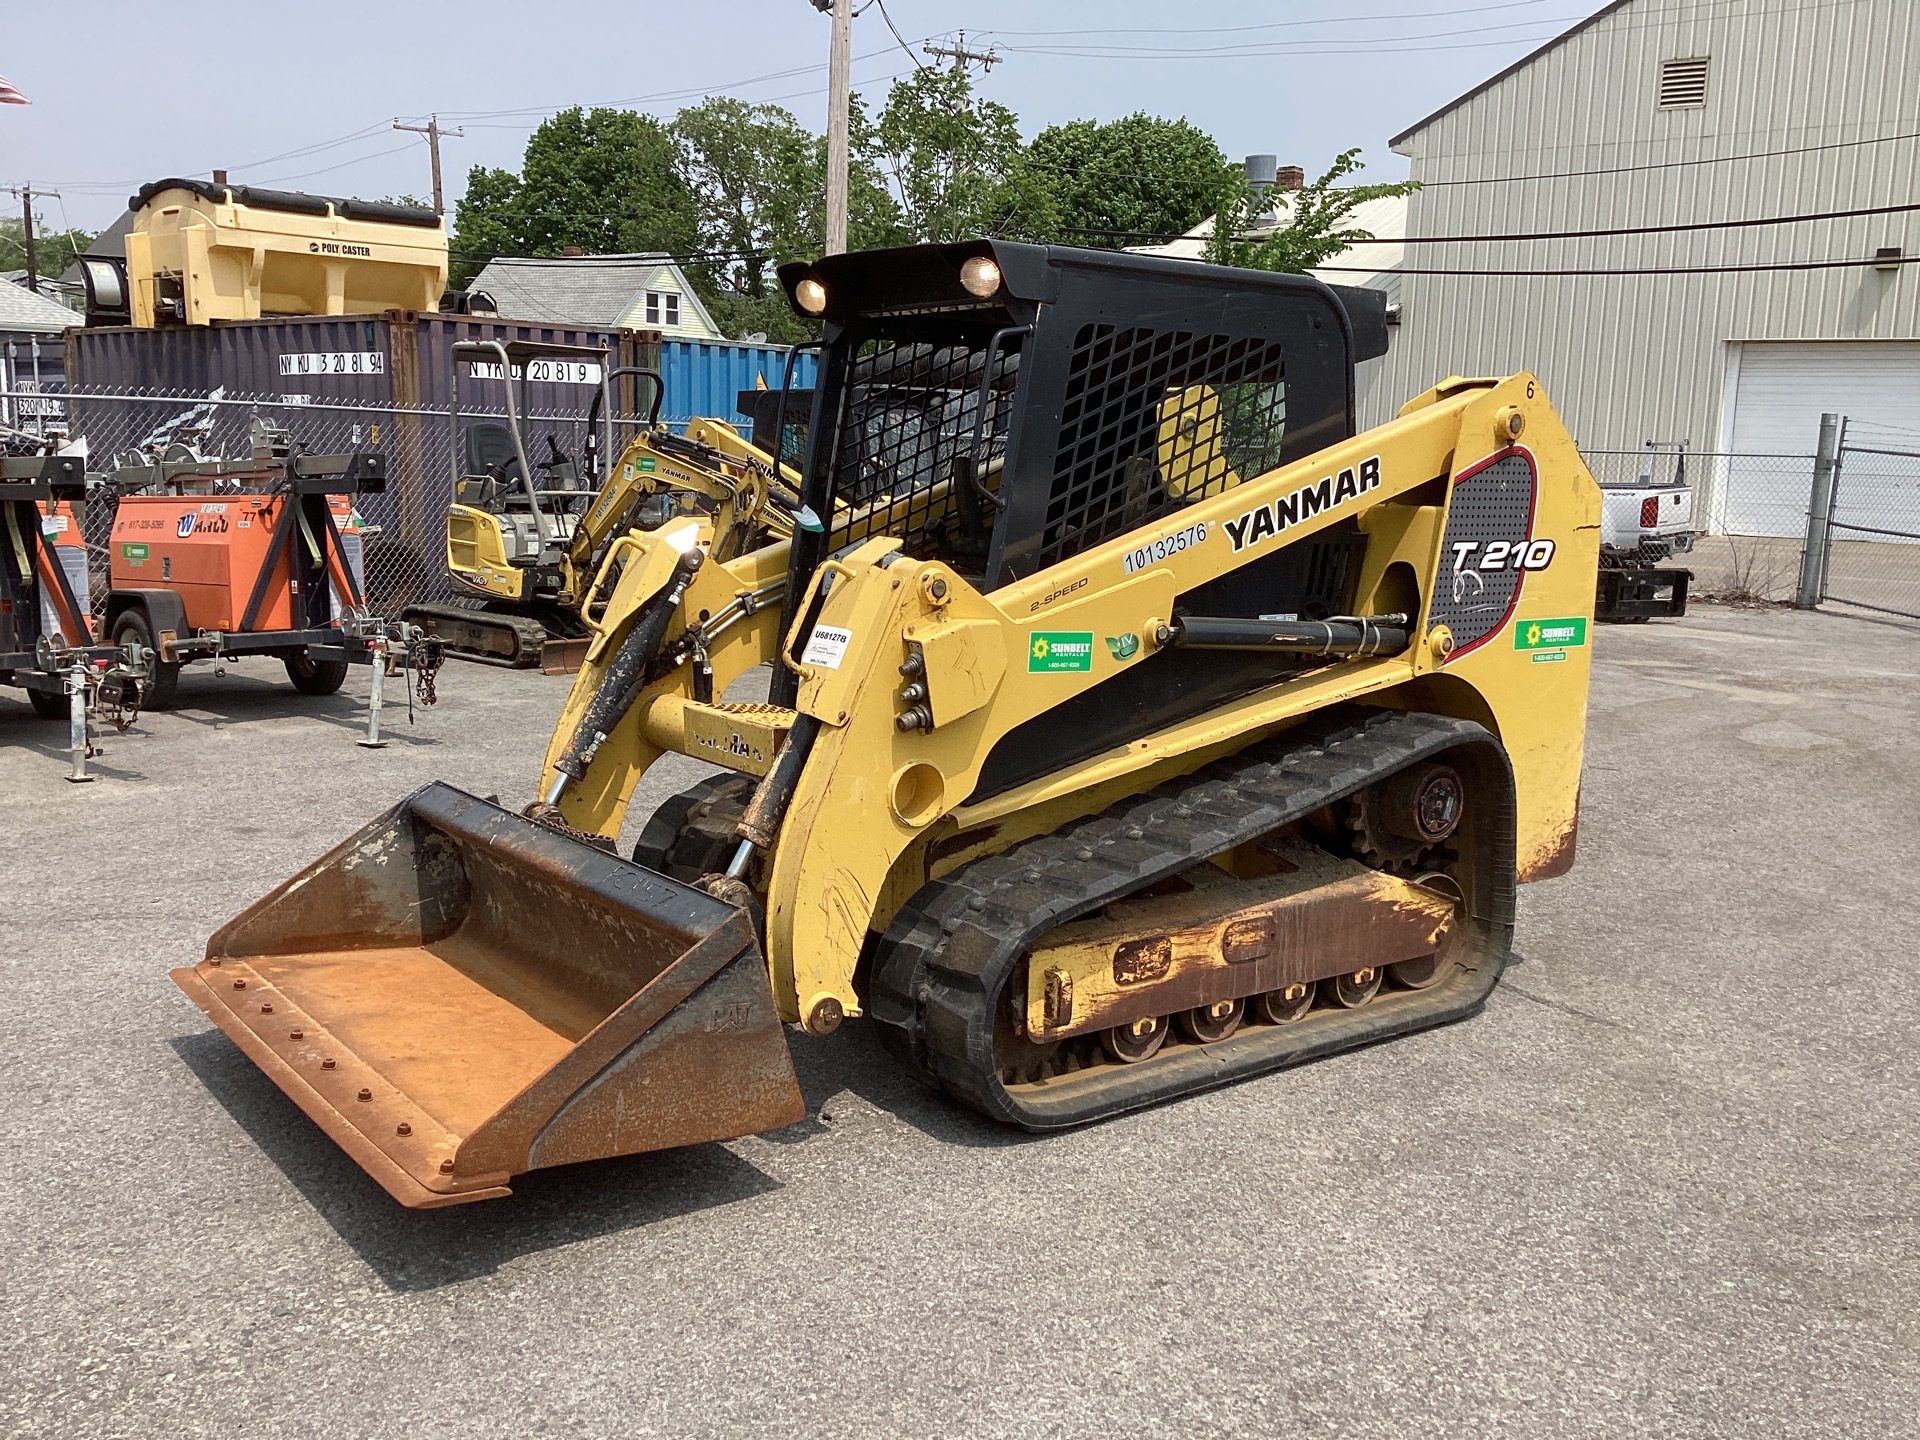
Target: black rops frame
915, 294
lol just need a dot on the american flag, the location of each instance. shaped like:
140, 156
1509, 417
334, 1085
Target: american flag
9, 95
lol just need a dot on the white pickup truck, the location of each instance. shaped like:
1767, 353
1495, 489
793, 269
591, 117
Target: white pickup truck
1641, 524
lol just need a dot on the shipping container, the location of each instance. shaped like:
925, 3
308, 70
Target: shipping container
337, 384
705, 377
32, 366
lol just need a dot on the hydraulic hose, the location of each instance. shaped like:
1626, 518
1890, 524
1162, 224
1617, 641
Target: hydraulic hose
625, 678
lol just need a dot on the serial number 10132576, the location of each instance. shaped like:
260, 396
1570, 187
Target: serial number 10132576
1166, 545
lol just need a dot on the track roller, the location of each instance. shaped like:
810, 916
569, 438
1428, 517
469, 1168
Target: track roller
1131, 1044
1350, 992
1285, 1005
1205, 1024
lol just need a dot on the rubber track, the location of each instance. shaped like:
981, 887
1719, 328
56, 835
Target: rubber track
528, 634
943, 963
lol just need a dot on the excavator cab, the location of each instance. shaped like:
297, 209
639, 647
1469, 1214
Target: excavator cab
1135, 726
512, 519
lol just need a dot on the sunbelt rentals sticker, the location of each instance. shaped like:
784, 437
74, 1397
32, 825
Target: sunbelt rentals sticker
1052, 651
1549, 640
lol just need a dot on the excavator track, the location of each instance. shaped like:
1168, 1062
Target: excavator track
948, 978
475, 631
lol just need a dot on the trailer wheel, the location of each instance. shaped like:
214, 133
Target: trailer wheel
316, 677
160, 680
48, 705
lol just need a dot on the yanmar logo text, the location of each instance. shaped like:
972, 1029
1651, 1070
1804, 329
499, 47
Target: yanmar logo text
1303, 504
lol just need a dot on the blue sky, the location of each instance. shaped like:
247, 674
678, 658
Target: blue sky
248, 86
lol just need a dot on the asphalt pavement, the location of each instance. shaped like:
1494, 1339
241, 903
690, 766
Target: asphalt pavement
1665, 1185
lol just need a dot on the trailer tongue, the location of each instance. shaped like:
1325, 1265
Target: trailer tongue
458, 995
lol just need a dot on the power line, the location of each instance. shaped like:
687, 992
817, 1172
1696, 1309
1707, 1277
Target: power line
1632, 270
1569, 234
1366, 43
908, 49
664, 95
1545, 175
1655, 229
1665, 16
108, 186
329, 169
1327, 47
1671, 164
1283, 24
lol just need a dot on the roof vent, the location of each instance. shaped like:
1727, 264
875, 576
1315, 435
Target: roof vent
1683, 83
1260, 171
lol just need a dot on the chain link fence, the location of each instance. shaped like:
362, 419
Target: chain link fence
1872, 531
1748, 514
401, 539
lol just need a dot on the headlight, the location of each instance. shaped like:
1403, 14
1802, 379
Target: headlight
811, 296
980, 276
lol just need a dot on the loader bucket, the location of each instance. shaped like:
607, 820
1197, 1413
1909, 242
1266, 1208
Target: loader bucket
458, 995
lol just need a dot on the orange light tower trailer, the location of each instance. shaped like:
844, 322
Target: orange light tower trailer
208, 570
46, 629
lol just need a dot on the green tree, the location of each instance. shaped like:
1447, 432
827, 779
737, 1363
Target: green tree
758, 182
956, 164
53, 250
1141, 175
601, 179
1318, 225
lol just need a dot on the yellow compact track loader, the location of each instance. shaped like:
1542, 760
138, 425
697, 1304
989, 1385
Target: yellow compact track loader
525, 534
1135, 726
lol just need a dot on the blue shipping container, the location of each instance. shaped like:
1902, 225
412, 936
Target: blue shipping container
703, 377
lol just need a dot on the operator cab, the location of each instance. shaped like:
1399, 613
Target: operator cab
537, 499
1002, 407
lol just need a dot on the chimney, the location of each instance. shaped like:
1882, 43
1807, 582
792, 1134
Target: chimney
1260, 169
1290, 177
219, 177
571, 252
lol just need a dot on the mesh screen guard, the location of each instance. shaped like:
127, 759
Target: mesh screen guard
1141, 386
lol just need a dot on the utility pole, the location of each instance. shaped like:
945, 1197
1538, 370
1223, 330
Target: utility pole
26, 210
433, 132
839, 84
962, 57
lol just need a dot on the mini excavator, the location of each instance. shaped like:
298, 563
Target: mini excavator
1135, 726
525, 535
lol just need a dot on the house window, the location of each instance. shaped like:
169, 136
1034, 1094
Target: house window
663, 307
1683, 84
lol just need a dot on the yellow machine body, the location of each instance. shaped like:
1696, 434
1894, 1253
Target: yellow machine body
199, 253
1127, 694
832, 883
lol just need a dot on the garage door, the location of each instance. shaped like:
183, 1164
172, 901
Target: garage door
1781, 389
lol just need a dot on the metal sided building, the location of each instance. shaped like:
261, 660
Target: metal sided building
1692, 113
